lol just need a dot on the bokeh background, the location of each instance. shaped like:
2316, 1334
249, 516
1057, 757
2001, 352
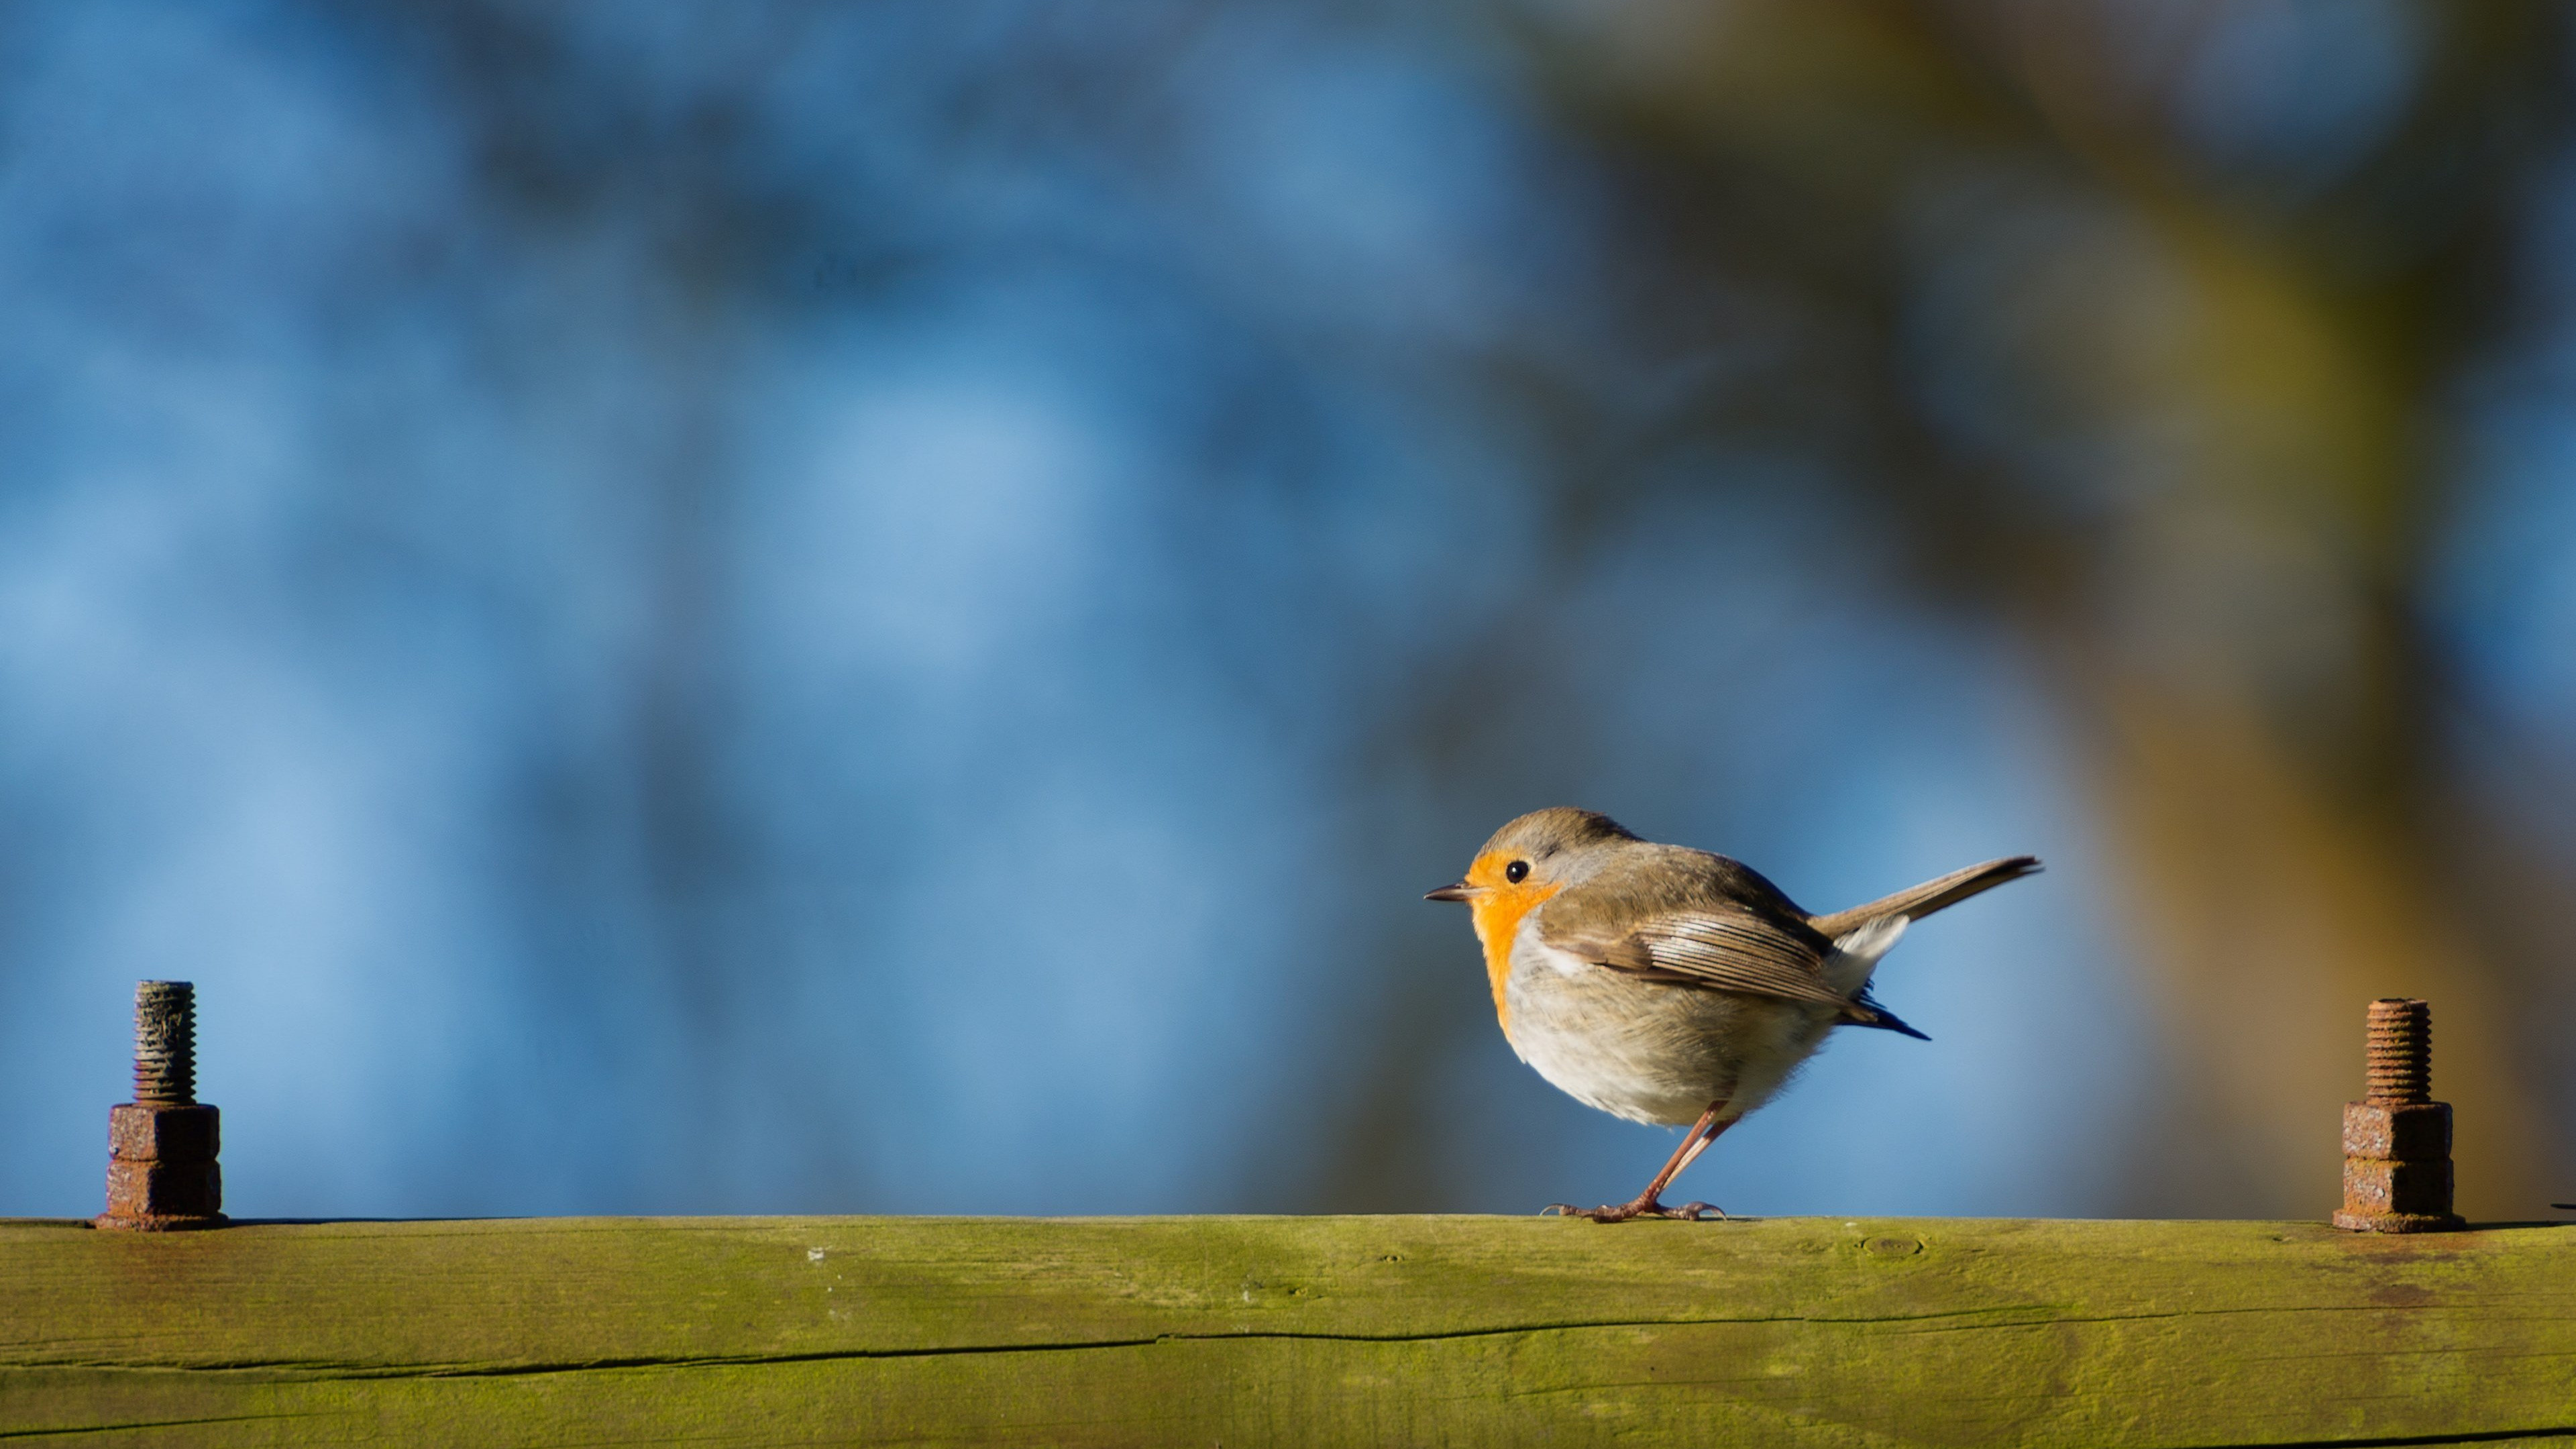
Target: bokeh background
888, 607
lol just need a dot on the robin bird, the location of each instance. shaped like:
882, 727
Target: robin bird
1669, 985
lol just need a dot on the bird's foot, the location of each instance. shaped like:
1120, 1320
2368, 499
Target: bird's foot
1644, 1207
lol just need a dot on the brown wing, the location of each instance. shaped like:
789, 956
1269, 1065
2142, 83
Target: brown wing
1721, 952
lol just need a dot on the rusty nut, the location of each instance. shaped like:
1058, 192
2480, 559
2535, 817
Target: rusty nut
2410, 1132
2417, 1188
151, 1132
150, 1190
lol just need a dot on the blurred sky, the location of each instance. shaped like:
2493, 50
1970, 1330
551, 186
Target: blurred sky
773, 608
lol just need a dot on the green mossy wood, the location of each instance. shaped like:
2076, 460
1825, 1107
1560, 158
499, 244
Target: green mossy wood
1248, 1331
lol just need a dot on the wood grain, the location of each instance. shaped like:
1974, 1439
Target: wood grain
1245, 1331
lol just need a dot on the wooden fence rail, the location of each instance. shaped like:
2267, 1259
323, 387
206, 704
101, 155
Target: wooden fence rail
1257, 1331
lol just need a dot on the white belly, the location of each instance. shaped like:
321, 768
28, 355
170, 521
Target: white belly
1650, 1052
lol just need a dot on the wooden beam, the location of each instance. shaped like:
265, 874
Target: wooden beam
1245, 1331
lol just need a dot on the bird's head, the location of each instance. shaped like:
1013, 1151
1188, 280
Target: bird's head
1533, 858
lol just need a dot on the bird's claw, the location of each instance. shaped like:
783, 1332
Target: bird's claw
1606, 1213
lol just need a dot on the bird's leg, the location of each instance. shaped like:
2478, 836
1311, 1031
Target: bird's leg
1649, 1204
1692, 1210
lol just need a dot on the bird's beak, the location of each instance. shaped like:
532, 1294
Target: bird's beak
1459, 892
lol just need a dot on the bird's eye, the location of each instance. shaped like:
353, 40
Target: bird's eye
1516, 872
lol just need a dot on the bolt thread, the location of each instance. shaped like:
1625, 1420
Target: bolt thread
165, 1042
2401, 1051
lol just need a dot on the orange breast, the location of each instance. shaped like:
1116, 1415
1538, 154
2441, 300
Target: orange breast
1498, 921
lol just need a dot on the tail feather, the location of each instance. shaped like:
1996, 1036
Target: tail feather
1932, 895
1865, 1011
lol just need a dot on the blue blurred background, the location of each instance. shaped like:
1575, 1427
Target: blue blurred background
800, 607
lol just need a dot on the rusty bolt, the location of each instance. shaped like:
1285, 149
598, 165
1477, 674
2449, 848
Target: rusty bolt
2397, 1139
161, 1172
165, 1042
